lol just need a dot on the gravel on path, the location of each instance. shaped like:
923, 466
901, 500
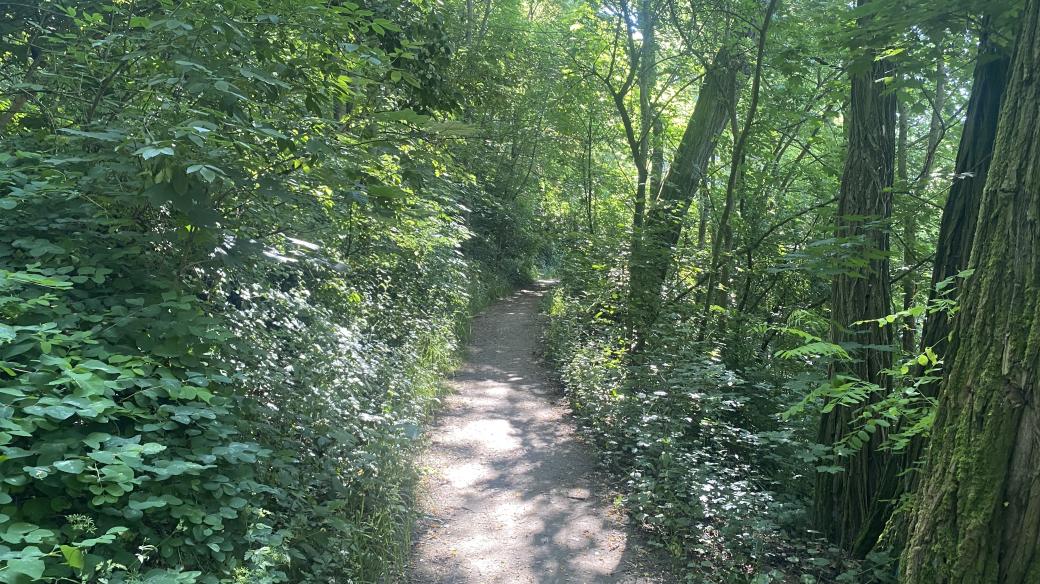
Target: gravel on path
510, 493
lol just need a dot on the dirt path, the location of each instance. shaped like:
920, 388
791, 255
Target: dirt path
511, 495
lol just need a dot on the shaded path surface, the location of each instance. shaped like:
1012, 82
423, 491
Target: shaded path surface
510, 494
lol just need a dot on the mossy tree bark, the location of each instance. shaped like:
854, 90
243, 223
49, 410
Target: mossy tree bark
960, 215
978, 517
957, 231
861, 292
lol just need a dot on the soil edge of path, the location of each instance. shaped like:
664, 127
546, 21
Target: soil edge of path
509, 492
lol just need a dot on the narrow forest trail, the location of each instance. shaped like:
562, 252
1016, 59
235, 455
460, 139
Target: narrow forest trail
511, 495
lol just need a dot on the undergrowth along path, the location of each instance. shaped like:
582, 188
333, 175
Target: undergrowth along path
510, 494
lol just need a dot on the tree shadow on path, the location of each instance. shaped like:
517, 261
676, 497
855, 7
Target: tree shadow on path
511, 494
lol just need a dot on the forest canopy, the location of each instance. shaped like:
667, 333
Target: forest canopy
794, 246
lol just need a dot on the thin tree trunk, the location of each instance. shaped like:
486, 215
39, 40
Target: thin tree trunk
589, 187
483, 24
935, 133
722, 243
656, 156
702, 217
468, 36
647, 86
651, 259
903, 184
978, 516
652, 121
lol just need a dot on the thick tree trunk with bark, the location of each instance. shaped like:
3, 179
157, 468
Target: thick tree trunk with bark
843, 500
957, 232
960, 215
651, 258
978, 516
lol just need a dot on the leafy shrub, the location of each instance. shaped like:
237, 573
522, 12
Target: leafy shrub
708, 467
118, 431
231, 275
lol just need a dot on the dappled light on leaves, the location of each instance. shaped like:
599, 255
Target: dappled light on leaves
793, 257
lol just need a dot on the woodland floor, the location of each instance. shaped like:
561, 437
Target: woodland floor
510, 493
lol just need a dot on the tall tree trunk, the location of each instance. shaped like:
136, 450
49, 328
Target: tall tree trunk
651, 258
956, 234
909, 223
656, 156
702, 215
960, 215
650, 121
843, 499
647, 138
935, 133
590, 190
484, 19
978, 516
468, 37
721, 245
902, 145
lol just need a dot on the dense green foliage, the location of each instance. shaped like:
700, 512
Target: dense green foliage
713, 415
241, 242
231, 275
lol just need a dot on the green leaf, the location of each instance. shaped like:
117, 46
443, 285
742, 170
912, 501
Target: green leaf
7, 333
59, 412
103, 456
70, 466
405, 115
37, 472
149, 152
152, 448
160, 193
94, 439
387, 192
830, 469
95, 365
208, 173
149, 503
118, 472
73, 557
106, 136
31, 567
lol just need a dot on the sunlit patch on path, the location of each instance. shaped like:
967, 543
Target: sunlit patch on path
511, 495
